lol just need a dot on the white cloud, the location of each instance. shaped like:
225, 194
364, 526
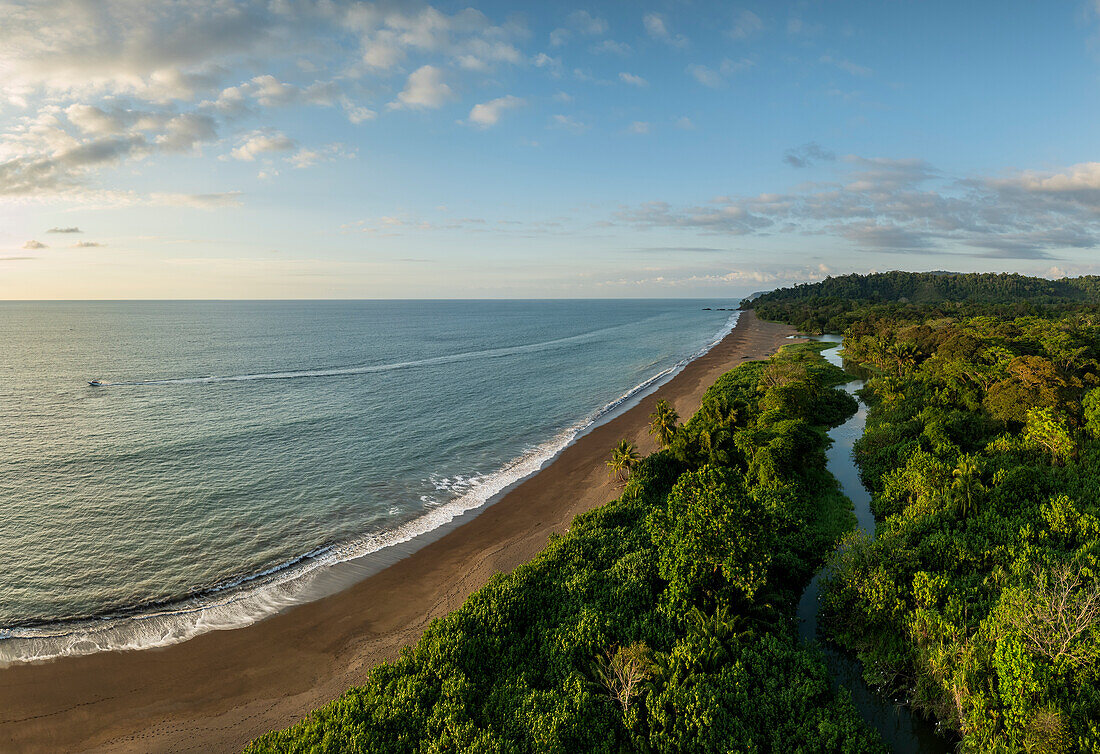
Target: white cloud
259, 143
807, 155
685, 123
33, 245
305, 158
1081, 178
230, 101
270, 92
847, 66
907, 206
56, 150
382, 51
168, 51
87, 245
53, 162
639, 127
562, 97
796, 25
356, 113
112, 81
568, 123
725, 217
745, 24
715, 78
585, 23
705, 76
730, 67
488, 113
633, 80
94, 121
678, 277
542, 60
610, 47
389, 36
886, 174
425, 88
185, 132
197, 201
156, 50
392, 225
657, 27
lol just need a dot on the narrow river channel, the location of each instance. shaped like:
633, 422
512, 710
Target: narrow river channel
902, 730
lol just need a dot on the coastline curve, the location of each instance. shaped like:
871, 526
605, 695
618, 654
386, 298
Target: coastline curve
246, 600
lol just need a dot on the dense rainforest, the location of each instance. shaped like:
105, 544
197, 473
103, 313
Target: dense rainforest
661, 622
664, 621
978, 598
837, 302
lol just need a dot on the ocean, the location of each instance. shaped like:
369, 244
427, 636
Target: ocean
238, 451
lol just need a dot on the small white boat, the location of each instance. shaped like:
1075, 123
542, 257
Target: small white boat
96, 383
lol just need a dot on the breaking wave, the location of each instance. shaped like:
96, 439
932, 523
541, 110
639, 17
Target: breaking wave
243, 601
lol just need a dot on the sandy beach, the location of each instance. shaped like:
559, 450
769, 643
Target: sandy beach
216, 692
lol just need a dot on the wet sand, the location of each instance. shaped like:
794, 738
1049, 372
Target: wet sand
218, 691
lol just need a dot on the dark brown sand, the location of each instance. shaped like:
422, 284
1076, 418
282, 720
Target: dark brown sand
217, 691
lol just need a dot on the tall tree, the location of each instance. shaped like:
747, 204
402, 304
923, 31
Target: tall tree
623, 458
966, 486
664, 423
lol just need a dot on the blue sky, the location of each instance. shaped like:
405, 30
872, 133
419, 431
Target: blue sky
286, 149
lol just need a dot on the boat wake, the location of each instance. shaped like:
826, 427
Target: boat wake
489, 353
243, 601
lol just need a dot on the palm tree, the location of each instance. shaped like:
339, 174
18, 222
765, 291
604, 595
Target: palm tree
967, 487
720, 411
623, 457
710, 442
663, 423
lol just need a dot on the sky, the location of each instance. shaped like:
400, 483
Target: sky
289, 149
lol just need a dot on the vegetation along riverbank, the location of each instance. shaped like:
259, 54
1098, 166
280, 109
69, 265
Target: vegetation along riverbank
979, 598
663, 621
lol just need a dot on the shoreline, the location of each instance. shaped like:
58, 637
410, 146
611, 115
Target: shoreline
313, 575
220, 689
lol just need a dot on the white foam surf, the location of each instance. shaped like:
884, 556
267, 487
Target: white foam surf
245, 601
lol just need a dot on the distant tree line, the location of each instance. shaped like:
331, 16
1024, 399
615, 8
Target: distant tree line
836, 302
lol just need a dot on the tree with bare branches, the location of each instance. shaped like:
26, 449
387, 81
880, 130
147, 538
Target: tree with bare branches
1057, 613
623, 671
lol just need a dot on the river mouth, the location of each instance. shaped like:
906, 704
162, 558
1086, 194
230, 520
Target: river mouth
903, 731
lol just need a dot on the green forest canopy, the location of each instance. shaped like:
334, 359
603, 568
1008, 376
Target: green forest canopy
664, 621
979, 598
834, 303
661, 622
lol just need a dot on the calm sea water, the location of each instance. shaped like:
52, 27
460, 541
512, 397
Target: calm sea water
241, 448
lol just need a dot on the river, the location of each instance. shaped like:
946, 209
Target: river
902, 730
